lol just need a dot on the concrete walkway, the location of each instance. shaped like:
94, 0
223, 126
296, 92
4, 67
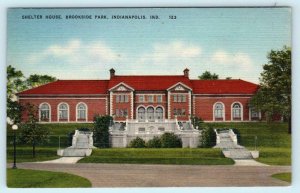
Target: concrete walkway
139, 175
248, 162
63, 160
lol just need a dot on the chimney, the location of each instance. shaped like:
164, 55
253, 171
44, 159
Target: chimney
186, 72
112, 72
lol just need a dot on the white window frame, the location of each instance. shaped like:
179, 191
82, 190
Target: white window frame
68, 112
86, 111
241, 111
223, 113
40, 113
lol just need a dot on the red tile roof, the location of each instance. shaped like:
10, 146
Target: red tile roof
223, 87
142, 83
68, 87
151, 83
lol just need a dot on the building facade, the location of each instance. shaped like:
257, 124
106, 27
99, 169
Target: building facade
144, 105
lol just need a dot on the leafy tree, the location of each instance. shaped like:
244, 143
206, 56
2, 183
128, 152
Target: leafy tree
274, 95
101, 131
32, 132
154, 143
208, 76
137, 143
38, 80
170, 140
208, 137
15, 84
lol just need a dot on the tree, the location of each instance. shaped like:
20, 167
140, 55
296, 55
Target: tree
101, 133
208, 137
15, 84
208, 76
38, 80
32, 132
274, 95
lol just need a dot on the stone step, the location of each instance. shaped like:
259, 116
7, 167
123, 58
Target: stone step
76, 152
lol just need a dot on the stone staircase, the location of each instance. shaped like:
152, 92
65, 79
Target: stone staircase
227, 141
82, 145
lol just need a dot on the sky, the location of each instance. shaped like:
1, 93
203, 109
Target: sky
231, 42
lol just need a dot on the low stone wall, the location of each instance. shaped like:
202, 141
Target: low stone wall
188, 139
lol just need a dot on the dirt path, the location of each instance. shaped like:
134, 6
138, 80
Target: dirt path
135, 175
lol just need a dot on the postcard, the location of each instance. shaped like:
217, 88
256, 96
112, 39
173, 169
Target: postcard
149, 97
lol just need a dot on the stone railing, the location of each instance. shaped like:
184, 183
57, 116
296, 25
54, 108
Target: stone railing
233, 136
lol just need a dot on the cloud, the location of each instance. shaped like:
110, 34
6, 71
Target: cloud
236, 60
75, 52
171, 57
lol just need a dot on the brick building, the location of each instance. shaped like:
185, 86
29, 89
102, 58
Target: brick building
143, 104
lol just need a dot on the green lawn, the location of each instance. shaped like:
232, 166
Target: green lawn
24, 154
183, 156
20, 178
273, 140
283, 176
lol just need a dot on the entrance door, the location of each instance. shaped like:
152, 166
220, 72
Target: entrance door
150, 114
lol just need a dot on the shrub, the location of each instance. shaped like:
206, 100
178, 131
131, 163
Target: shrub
197, 122
137, 143
154, 143
101, 127
170, 140
208, 138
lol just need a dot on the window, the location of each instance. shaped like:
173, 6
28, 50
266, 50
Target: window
254, 114
63, 112
218, 111
141, 98
179, 112
150, 114
159, 98
175, 98
81, 112
150, 99
179, 98
141, 114
122, 99
121, 112
159, 113
142, 130
45, 112
161, 129
236, 111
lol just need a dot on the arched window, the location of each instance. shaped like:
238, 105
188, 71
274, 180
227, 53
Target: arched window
141, 114
63, 112
236, 111
219, 111
150, 114
44, 112
81, 112
159, 113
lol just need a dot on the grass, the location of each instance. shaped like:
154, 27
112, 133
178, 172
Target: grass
283, 176
20, 178
24, 154
181, 156
273, 140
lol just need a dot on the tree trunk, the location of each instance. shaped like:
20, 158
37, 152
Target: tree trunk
290, 124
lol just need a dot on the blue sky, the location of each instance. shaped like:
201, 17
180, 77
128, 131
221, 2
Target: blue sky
232, 42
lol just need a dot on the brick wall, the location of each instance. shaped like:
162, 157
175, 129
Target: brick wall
204, 106
94, 106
